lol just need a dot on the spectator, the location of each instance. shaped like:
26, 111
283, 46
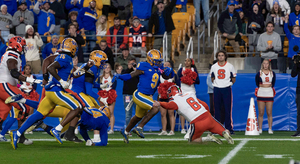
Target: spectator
142, 9
105, 9
46, 20
294, 17
123, 7
74, 5
79, 40
265, 81
124, 58
57, 9
87, 18
51, 47
103, 47
244, 24
226, 24
283, 4
294, 73
294, 41
101, 26
98, 6
182, 5
237, 6
117, 29
12, 6
33, 42
223, 77
128, 88
5, 22
262, 6
293, 4
72, 18
269, 43
163, 22
187, 83
22, 18
118, 68
137, 44
205, 8
256, 25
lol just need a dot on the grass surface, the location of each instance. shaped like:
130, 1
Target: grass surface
276, 148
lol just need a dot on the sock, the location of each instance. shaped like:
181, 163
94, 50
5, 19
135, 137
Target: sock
22, 138
205, 139
9, 123
96, 136
31, 120
59, 127
70, 132
47, 129
139, 127
33, 104
18, 133
127, 133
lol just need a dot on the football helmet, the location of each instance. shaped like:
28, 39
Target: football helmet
17, 43
99, 58
173, 90
69, 45
106, 111
154, 58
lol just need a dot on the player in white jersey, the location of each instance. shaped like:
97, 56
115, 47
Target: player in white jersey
10, 68
265, 81
197, 113
223, 77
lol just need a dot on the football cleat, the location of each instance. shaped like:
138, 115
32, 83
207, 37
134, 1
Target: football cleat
34, 126
124, 135
214, 139
16, 98
14, 139
3, 139
138, 132
27, 142
297, 134
56, 134
227, 136
75, 139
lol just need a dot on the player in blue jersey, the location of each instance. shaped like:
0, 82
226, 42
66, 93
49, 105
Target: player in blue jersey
149, 73
61, 69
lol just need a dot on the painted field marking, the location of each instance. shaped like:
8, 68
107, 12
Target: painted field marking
273, 156
233, 152
172, 156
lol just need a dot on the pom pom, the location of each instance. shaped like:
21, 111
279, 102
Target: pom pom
188, 77
32, 95
111, 95
162, 89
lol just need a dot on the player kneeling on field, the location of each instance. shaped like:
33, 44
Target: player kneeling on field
197, 113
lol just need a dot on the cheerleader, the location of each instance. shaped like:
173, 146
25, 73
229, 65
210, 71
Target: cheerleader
188, 76
165, 83
108, 93
265, 81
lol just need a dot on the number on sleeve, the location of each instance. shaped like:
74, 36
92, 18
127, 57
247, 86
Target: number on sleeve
194, 104
221, 73
96, 114
154, 80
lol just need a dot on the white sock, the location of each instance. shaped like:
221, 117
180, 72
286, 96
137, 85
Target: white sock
18, 133
205, 139
96, 136
59, 127
139, 127
126, 132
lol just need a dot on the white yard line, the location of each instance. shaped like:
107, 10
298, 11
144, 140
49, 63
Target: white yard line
233, 152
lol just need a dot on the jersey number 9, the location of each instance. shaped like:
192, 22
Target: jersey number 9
154, 80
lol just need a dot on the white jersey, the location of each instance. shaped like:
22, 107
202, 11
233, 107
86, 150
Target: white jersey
188, 106
106, 80
187, 88
222, 74
5, 73
162, 80
266, 78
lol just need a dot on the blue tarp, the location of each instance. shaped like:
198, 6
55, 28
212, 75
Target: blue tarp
284, 109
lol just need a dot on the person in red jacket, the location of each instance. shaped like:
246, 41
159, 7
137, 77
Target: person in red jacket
117, 29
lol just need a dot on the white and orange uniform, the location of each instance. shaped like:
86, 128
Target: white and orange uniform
265, 94
196, 112
8, 85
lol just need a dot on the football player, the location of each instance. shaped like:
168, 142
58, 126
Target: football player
149, 73
10, 68
197, 113
61, 70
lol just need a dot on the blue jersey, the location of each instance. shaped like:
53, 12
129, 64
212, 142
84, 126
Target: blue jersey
49, 49
149, 79
64, 72
45, 20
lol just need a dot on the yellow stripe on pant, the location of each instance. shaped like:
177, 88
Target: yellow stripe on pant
89, 100
143, 103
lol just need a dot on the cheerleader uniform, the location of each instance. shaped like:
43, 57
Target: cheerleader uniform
185, 87
109, 92
265, 94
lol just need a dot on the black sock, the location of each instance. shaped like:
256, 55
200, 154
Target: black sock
70, 132
22, 138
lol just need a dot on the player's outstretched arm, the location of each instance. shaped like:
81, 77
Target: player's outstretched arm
168, 105
128, 76
12, 67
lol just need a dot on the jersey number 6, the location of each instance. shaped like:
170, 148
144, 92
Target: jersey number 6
194, 104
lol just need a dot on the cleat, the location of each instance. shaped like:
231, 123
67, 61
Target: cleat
14, 139
15, 98
27, 142
34, 126
227, 136
110, 132
214, 139
163, 133
297, 134
138, 132
124, 135
3, 139
171, 133
183, 131
75, 139
56, 135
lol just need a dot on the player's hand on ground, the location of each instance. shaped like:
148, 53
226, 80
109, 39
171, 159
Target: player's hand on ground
32, 80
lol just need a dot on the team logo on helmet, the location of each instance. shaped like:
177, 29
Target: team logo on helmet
99, 58
154, 58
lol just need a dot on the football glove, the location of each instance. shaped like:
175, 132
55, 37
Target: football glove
32, 80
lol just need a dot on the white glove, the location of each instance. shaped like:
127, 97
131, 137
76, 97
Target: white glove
89, 143
32, 80
79, 72
104, 101
64, 84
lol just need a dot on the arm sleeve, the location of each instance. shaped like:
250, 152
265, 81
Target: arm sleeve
169, 105
257, 77
39, 41
52, 28
273, 79
36, 8
89, 90
260, 46
197, 81
30, 19
277, 46
103, 136
83, 132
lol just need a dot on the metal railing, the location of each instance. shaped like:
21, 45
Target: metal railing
201, 36
190, 48
216, 44
165, 47
211, 19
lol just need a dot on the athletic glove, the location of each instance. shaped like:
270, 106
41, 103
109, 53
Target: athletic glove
64, 84
168, 71
32, 80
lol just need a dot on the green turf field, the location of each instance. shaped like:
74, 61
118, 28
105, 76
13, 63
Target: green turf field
276, 148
